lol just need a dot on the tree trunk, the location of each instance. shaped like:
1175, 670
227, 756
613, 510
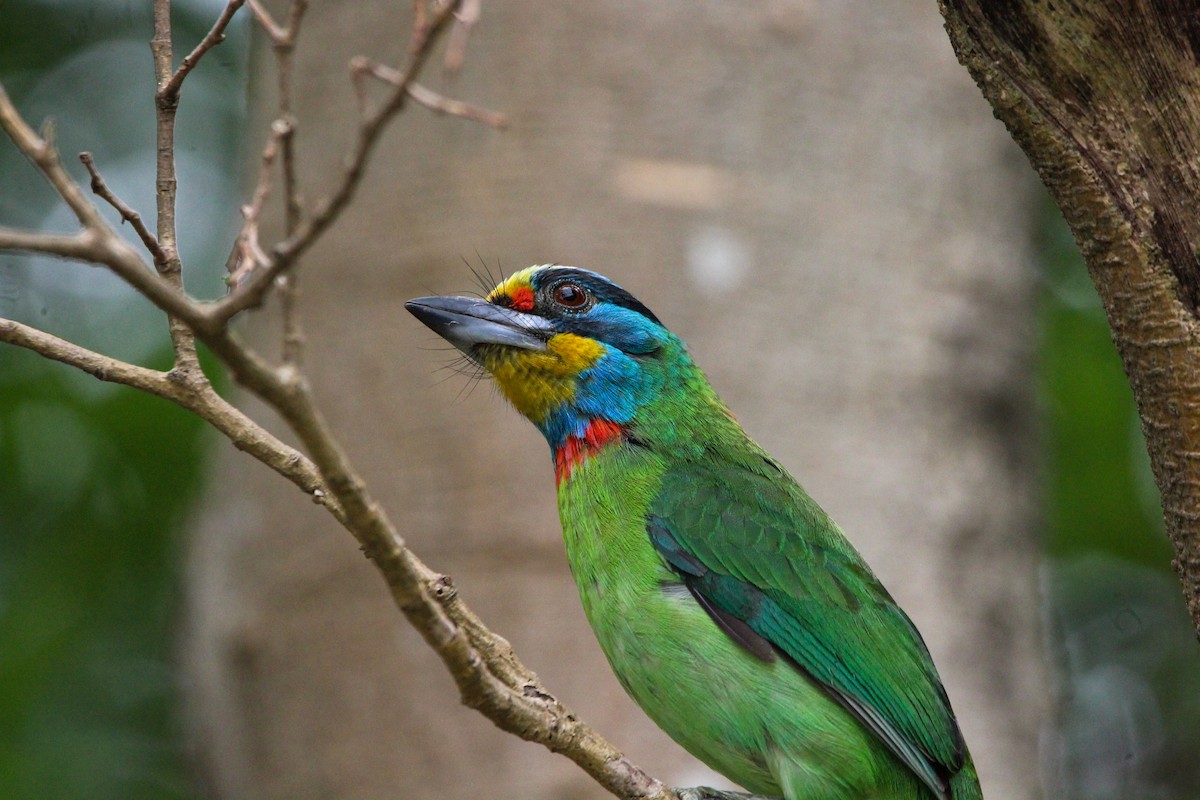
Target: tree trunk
1104, 98
809, 195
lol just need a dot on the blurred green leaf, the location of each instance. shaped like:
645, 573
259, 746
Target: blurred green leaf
97, 480
1099, 494
93, 495
1128, 670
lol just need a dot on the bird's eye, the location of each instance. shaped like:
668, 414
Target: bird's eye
570, 295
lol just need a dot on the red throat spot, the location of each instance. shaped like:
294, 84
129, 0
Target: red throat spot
577, 449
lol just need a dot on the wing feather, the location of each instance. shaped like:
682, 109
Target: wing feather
751, 546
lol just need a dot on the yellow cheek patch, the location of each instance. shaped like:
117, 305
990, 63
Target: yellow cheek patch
577, 353
536, 382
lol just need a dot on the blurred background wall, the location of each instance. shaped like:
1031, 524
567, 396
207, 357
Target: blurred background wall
812, 194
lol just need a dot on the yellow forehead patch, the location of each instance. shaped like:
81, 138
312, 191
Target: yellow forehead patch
538, 381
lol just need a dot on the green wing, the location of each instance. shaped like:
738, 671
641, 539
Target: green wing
767, 563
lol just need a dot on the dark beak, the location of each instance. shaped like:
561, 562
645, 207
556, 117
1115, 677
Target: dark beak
468, 321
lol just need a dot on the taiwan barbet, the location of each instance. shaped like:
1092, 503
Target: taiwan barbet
730, 606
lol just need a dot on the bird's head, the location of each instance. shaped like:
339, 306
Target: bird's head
572, 351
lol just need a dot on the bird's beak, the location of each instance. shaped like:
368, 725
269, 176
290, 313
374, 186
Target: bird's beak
468, 321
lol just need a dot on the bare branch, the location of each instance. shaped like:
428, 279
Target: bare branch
420, 25
280, 35
457, 108
289, 282
79, 247
98, 242
489, 675
45, 157
284, 40
166, 102
285, 253
362, 67
247, 253
95, 364
252, 438
214, 37
293, 332
100, 188
274, 31
200, 399
119, 256
456, 48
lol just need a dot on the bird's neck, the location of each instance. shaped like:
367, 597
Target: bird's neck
575, 448
599, 410
665, 406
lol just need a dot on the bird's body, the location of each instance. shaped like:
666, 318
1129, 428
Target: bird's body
741, 715
730, 606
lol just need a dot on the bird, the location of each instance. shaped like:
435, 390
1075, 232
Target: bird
729, 605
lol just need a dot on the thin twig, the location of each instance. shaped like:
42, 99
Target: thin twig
445, 105
102, 246
166, 102
420, 25
44, 156
100, 188
361, 67
289, 282
247, 253
98, 242
293, 332
77, 247
95, 364
285, 253
271, 28
214, 37
456, 48
295, 17
283, 38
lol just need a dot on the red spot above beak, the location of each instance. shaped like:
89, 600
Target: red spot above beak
522, 299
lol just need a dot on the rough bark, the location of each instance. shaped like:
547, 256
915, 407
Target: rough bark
809, 195
1104, 98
